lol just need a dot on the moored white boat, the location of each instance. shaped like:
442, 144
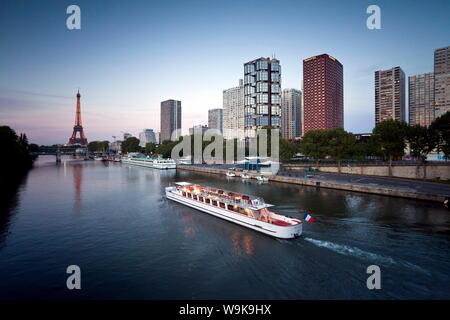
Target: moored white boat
98, 158
231, 174
164, 164
262, 178
245, 176
248, 211
141, 160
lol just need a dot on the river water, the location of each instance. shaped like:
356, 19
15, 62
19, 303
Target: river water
113, 221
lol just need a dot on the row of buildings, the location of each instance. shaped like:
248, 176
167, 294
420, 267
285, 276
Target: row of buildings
259, 100
428, 93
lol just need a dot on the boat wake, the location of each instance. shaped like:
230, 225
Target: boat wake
358, 253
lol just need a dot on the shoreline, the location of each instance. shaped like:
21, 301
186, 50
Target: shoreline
356, 187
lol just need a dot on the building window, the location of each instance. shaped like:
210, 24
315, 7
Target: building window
262, 98
275, 77
262, 76
262, 87
275, 66
262, 65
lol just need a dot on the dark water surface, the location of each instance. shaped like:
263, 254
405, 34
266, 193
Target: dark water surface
113, 221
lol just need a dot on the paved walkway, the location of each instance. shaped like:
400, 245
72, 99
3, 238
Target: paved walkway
381, 185
383, 182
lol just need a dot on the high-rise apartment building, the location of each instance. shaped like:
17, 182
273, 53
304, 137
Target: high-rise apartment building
421, 99
170, 120
146, 136
233, 112
389, 95
262, 94
442, 80
291, 113
215, 119
323, 95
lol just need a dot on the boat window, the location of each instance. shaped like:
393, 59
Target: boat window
222, 205
214, 203
189, 195
200, 198
194, 197
184, 194
207, 200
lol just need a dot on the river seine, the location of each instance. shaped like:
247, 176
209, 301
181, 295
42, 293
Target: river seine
113, 221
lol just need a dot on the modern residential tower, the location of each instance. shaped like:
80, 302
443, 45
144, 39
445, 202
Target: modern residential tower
262, 94
389, 95
421, 99
215, 119
323, 83
233, 112
291, 113
146, 136
170, 120
442, 80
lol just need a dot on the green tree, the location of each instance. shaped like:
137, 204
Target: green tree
131, 145
287, 150
16, 160
422, 141
314, 144
391, 135
150, 148
340, 144
441, 128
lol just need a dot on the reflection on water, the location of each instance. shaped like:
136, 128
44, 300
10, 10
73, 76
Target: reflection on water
77, 181
9, 200
131, 242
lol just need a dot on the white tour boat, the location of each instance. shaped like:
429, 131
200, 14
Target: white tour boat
248, 211
164, 164
141, 160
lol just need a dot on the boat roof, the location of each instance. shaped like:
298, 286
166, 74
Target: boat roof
256, 202
182, 183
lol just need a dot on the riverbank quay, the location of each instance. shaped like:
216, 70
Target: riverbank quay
417, 190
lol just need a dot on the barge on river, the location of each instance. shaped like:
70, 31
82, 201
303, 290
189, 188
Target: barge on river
248, 211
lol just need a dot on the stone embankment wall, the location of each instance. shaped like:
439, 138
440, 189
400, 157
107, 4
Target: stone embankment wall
441, 172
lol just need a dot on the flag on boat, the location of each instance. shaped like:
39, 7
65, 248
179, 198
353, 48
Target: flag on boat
308, 218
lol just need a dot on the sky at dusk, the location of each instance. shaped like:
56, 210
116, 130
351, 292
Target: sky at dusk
131, 55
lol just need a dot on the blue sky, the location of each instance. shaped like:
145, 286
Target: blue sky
131, 55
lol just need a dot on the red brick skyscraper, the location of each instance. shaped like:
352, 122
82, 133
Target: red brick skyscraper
323, 96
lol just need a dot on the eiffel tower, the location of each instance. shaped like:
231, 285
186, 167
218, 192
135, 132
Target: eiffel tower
78, 127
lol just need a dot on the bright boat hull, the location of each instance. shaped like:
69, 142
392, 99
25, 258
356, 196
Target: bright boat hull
283, 232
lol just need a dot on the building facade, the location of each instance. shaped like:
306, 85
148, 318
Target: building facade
389, 95
170, 120
198, 129
442, 80
421, 99
146, 136
291, 113
262, 94
323, 95
233, 112
215, 119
